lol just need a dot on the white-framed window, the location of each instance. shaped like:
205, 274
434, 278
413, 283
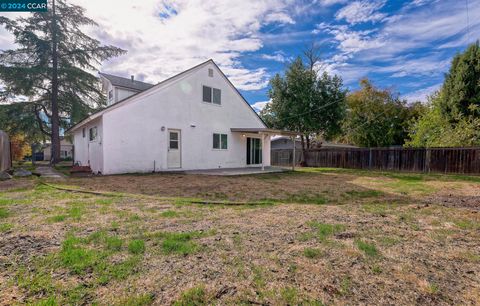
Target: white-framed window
92, 133
212, 95
110, 95
210, 72
220, 141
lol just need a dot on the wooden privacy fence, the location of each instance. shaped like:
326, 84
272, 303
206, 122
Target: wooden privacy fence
5, 157
443, 160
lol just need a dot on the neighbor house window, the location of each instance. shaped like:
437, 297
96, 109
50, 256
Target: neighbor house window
220, 141
83, 132
92, 133
212, 95
110, 95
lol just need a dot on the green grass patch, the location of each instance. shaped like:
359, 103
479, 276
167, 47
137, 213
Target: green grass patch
136, 246
362, 194
57, 218
368, 248
5, 227
466, 224
312, 253
307, 198
325, 230
137, 300
193, 297
80, 259
169, 214
4, 213
182, 243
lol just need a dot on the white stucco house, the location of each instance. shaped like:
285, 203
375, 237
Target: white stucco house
194, 120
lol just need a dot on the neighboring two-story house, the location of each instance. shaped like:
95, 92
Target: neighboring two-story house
194, 120
118, 88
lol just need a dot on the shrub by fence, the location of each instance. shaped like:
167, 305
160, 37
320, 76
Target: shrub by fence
5, 156
440, 160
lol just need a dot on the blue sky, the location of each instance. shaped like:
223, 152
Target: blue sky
403, 45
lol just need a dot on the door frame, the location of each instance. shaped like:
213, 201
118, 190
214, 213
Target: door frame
261, 150
179, 131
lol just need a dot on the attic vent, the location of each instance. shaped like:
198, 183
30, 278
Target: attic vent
210, 72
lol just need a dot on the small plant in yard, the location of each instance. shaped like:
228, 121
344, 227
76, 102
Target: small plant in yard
5, 227
181, 243
57, 218
137, 300
325, 230
311, 252
3, 213
368, 248
289, 296
169, 214
136, 246
195, 296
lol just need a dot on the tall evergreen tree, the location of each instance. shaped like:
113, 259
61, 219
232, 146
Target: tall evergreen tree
461, 88
52, 67
453, 115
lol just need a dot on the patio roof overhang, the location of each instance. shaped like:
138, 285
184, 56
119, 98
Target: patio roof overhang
263, 131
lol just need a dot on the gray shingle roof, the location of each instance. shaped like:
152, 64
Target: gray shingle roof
127, 83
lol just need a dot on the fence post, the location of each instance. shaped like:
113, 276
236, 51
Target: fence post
427, 160
370, 158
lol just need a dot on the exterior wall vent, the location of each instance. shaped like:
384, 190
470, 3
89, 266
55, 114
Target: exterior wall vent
210, 72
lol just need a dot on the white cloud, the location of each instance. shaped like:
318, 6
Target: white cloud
361, 11
165, 37
411, 43
259, 106
421, 94
332, 2
277, 56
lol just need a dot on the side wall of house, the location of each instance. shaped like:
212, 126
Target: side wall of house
89, 153
136, 134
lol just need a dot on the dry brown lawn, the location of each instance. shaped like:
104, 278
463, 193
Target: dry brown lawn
313, 237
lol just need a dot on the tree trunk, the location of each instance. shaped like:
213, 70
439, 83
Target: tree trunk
55, 121
304, 151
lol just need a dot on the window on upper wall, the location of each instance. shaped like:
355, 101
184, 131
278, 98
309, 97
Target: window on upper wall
110, 95
210, 72
211, 94
92, 133
217, 96
83, 132
220, 141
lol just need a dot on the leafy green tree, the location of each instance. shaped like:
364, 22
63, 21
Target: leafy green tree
306, 102
453, 115
461, 89
376, 117
51, 68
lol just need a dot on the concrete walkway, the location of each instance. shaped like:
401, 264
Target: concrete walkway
237, 171
49, 172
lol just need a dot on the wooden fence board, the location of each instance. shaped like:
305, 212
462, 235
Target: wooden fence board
438, 160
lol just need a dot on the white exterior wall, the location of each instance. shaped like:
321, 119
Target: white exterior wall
119, 93
133, 140
89, 153
122, 93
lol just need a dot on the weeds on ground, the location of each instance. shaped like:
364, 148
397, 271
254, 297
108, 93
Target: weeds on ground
312, 253
193, 297
368, 248
325, 230
137, 300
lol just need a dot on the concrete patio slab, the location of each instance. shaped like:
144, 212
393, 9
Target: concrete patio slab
238, 171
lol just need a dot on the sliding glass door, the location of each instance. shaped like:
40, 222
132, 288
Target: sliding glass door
254, 151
